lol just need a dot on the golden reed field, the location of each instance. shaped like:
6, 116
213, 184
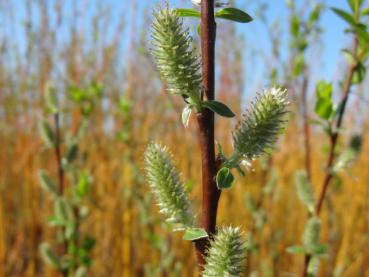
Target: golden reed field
75, 44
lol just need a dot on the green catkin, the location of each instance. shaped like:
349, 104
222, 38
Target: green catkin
174, 55
311, 234
259, 128
226, 254
166, 185
305, 190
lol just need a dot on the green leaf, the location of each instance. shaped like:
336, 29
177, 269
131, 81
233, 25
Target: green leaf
345, 16
188, 13
218, 107
72, 153
70, 229
186, 114
324, 89
359, 74
355, 5
62, 209
296, 249
195, 234
365, 11
77, 94
363, 35
47, 183
125, 105
349, 57
51, 100
356, 143
295, 26
233, 14
53, 221
84, 184
47, 134
314, 15
324, 105
88, 243
224, 178
324, 108
319, 249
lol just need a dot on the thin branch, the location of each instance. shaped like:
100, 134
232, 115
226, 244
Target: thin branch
210, 192
58, 156
334, 135
305, 116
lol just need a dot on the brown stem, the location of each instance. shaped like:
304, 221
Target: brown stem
58, 156
333, 143
306, 126
205, 119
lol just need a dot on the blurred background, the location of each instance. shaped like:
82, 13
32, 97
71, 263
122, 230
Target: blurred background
75, 45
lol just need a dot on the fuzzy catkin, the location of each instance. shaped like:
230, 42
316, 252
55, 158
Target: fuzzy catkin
174, 55
305, 190
166, 185
226, 254
310, 238
259, 128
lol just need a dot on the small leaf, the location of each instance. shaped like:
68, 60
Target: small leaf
125, 105
51, 100
186, 114
188, 13
345, 16
295, 25
355, 5
224, 178
324, 108
296, 249
324, 89
218, 107
195, 234
62, 210
362, 34
88, 243
234, 15
77, 94
365, 12
324, 105
47, 133
84, 184
359, 74
70, 230
53, 221
47, 183
349, 57
72, 153
319, 249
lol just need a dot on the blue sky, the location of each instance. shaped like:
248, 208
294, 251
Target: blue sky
333, 38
